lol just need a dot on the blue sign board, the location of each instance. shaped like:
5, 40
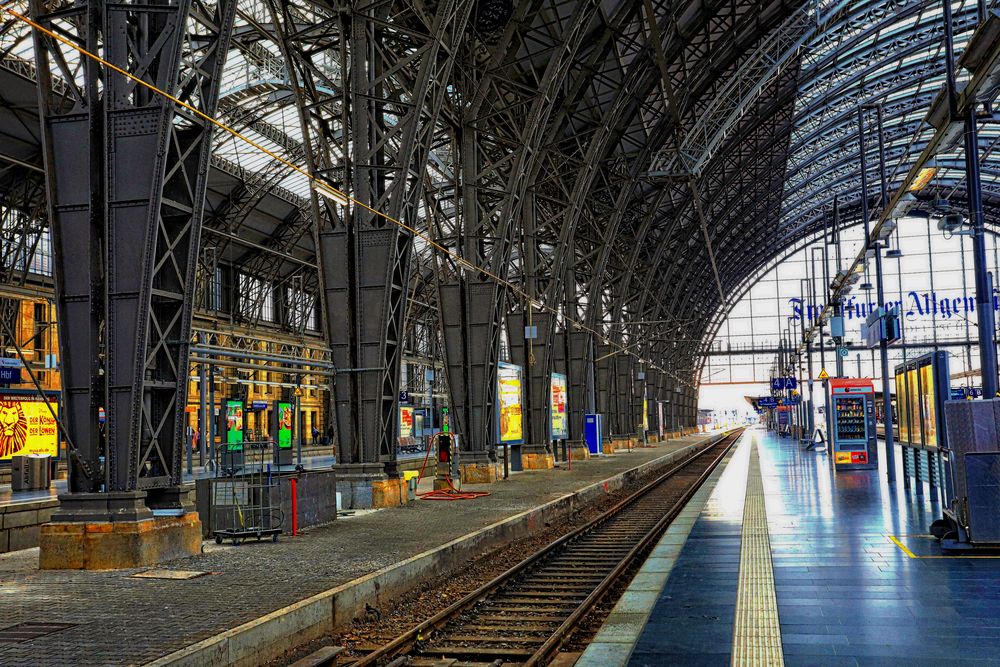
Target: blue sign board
10, 375
767, 402
404, 397
963, 393
778, 384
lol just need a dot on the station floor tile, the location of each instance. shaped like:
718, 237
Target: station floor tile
847, 594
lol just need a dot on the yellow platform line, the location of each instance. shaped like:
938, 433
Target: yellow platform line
910, 554
756, 630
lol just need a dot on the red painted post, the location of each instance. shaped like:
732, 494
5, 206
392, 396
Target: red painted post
295, 506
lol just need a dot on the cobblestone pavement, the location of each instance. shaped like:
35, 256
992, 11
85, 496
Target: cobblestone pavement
123, 620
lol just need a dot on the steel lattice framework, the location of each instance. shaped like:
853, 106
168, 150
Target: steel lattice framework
608, 174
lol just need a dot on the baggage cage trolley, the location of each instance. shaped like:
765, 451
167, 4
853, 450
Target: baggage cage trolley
246, 495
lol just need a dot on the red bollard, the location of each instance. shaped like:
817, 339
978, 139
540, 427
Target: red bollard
295, 506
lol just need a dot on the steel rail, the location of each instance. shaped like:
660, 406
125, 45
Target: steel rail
569, 626
405, 642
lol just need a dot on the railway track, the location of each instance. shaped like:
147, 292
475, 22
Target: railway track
525, 615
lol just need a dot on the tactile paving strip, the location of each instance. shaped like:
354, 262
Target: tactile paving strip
756, 632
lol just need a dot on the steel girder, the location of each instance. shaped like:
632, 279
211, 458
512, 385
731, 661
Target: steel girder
126, 227
619, 309
501, 138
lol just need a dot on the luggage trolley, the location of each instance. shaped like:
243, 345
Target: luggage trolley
246, 502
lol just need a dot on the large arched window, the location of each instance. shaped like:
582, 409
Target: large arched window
929, 280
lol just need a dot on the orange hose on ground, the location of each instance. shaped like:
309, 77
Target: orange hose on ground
451, 493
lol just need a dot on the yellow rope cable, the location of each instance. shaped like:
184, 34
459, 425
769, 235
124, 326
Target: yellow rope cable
235, 133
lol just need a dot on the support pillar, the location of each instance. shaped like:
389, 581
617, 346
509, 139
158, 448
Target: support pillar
534, 357
126, 192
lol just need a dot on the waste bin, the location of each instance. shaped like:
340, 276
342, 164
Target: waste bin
30, 473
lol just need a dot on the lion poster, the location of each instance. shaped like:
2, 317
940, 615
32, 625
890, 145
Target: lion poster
27, 426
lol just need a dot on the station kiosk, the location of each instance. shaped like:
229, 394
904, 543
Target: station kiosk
853, 421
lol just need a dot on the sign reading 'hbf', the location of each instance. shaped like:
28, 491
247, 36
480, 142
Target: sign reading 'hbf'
10, 375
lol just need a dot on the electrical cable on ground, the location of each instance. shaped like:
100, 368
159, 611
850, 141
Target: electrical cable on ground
451, 493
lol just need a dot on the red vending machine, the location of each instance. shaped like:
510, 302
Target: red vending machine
853, 415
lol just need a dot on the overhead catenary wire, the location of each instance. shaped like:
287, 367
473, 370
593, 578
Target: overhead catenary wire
459, 260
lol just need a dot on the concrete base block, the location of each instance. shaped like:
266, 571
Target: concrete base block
622, 443
608, 447
537, 461
580, 453
113, 545
480, 473
355, 483
389, 493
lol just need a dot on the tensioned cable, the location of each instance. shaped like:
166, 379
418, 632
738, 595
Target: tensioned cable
326, 186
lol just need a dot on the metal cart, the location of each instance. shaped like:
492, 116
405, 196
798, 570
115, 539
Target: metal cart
246, 501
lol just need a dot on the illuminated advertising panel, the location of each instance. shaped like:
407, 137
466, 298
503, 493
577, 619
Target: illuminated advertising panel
902, 405
405, 421
913, 396
509, 428
234, 424
927, 399
283, 432
557, 407
27, 426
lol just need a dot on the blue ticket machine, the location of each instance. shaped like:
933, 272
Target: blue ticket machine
593, 433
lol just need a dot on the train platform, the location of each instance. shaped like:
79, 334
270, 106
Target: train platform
781, 561
241, 605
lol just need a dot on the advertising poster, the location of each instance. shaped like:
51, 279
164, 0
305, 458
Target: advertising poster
645, 415
234, 424
405, 421
509, 427
557, 407
27, 426
284, 434
659, 414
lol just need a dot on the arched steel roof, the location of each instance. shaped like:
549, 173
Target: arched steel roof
636, 160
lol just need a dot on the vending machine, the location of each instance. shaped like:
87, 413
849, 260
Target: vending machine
853, 421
